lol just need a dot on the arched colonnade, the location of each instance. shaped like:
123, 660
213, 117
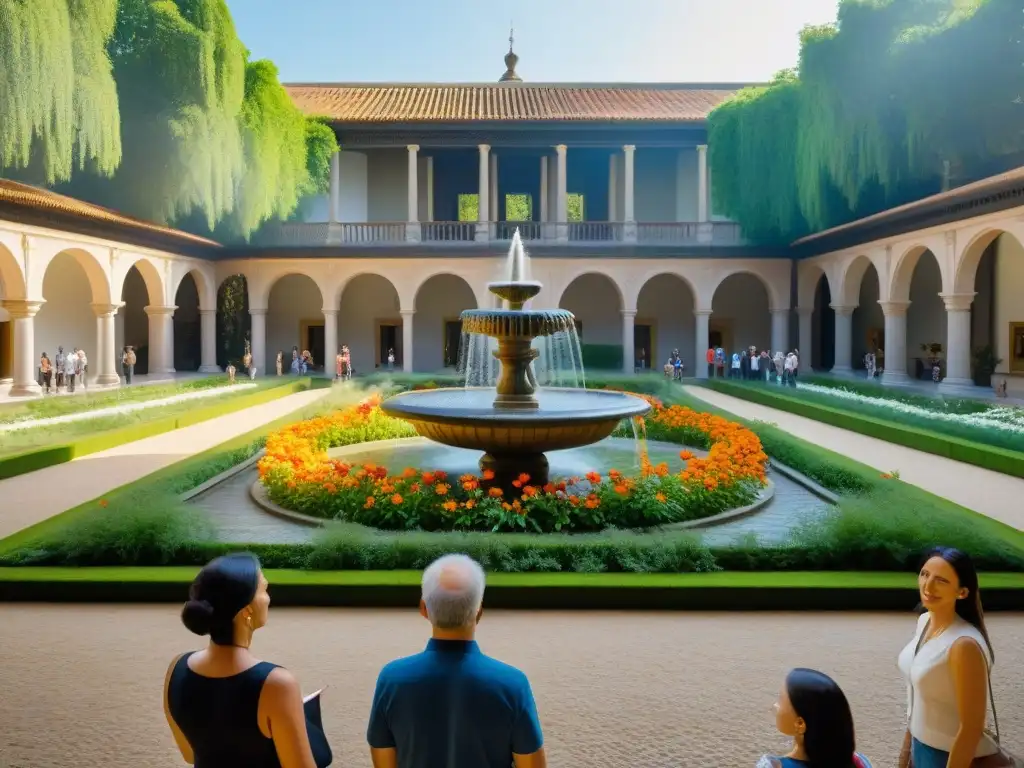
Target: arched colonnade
934, 294
644, 308
62, 290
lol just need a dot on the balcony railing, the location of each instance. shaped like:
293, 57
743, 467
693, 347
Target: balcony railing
323, 234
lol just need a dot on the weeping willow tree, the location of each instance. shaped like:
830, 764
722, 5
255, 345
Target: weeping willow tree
58, 100
881, 100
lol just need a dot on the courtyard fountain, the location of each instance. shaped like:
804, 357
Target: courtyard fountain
516, 422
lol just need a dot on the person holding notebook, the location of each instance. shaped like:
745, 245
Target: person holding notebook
224, 706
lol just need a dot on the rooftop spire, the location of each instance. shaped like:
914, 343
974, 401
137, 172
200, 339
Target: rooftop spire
511, 59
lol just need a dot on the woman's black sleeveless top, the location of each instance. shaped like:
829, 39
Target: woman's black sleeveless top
218, 716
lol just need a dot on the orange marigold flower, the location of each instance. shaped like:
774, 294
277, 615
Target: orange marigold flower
685, 455
370, 501
592, 502
550, 488
574, 500
469, 485
450, 506
660, 497
524, 478
428, 478
622, 490
594, 477
409, 472
414, 488
441, 489
397, 499
330, 487
494, 493
529, 490
470, 503
506, 506
488, 474
104, 503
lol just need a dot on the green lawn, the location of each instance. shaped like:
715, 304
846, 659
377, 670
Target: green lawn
33, 438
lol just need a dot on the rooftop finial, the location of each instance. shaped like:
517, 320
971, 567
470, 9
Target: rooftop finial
511, 59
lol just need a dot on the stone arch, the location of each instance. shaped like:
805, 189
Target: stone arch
741, 306
970, 257
12, 280
151, 278
917, 277
807, 278
867, 322
295, 318
903, 269
847, 292
67, 318
604, 277
597, 302
437, 331
665, 321
205, 285
774, 298
370, 320
139, 287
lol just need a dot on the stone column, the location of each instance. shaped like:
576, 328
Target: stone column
806, 332
108, 359
894, 365
628, 350
412, 225
483, 198
613, 187
430, 188
23, 315
258, 339
958, 339
161, 339
844, 338
330, 341
208, 341
543, 212
335, 198
561, 203
780, 330
701, 341
702, 183
407, 321
492, 194
628, 217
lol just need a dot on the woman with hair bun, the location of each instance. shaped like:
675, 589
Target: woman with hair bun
225, 707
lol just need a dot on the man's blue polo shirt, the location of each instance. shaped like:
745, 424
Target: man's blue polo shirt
453, 707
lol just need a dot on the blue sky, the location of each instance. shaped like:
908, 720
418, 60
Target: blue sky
557, 40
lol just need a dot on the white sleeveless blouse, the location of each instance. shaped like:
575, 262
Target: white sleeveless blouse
931, 700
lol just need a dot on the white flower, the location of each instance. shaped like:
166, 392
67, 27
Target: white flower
996, 417
100, 413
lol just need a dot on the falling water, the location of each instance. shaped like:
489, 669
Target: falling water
640, 441
516, 263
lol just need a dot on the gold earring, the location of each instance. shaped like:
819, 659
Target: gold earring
248, 621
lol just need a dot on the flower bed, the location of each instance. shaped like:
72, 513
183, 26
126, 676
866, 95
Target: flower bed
300, 475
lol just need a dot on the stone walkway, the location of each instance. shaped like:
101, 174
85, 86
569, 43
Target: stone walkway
34, 497
82, 684
991, 493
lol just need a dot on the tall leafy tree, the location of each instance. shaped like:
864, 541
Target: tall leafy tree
58, 100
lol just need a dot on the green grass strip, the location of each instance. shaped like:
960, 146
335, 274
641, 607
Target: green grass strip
985, 456
40, 458
776, 580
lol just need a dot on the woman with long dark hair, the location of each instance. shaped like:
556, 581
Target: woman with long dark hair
224, 706
813, 711
946, 665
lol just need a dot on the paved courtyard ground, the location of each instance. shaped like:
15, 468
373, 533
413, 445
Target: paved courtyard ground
82, 685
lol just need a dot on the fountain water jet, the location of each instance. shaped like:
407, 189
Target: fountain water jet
516, 422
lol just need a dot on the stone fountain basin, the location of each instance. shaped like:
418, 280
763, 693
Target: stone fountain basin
467, 418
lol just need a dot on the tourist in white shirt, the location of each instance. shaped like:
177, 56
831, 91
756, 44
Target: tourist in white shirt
70, 362
790, 370
947, 665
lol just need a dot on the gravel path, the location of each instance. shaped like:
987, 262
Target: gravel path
990, 493
81, 684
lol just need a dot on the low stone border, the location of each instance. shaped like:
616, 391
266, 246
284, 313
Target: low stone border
801, 479
725, 517
259, 495
223, 476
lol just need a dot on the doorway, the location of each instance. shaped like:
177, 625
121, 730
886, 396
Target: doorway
312, 335
643, 346
452, 343
6, 350
389, 338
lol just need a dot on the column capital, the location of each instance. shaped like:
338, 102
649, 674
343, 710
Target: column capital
561, 148
484, 148
780, 310
894, 308
841, 309
20, 309
204, 312
702, 148
628, 148
257, 312
329, 312
407, 312
702, 312
628, 312
106, 310
413, 148
957, 302
156, 310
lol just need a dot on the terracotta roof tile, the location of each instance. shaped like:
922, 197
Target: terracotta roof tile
24, 195
382, 103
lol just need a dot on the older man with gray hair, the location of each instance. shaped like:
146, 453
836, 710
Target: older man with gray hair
451, 705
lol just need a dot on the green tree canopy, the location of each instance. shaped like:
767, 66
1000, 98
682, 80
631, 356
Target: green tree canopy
880, 101
58, 100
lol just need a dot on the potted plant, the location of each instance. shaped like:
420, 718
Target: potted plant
985, 364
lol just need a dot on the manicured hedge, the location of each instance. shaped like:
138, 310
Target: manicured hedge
718, 591
989, 457
40, 458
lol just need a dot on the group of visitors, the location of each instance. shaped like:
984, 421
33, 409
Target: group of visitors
451, 705
751, 365
675, 366
64, 372
343, 364
302, 362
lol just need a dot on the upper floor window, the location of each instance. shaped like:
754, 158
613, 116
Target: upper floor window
518, 208
574, 207
469, 207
